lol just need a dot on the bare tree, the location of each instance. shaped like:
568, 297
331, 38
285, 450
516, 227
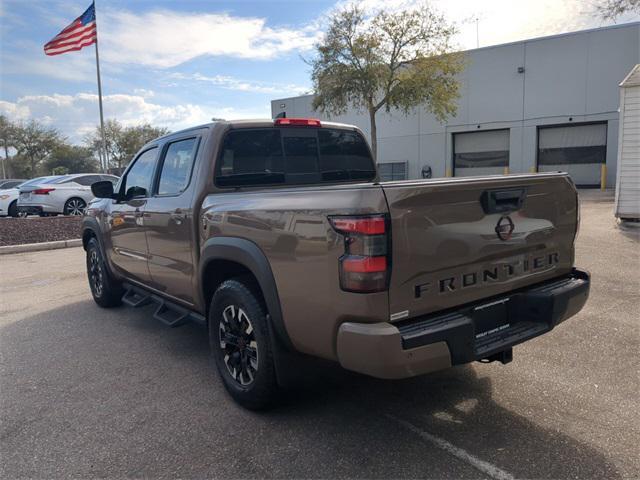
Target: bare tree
612, 9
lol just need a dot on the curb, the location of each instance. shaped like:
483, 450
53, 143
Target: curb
38, 247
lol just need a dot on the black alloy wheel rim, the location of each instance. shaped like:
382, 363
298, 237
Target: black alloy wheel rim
95, 273
238, 344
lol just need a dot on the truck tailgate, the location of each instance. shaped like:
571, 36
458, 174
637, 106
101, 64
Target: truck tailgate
456, 241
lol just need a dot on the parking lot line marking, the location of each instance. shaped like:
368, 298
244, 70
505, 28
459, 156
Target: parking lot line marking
485, 467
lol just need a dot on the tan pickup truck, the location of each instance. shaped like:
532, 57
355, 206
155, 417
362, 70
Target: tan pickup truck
278, 237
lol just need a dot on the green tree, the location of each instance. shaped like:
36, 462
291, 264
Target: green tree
18, 167
387, 60
112, 131
122, 143
71, 159
34, 142
60, 170
7, 131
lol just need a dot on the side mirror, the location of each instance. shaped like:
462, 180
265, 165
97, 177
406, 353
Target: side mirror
102, 189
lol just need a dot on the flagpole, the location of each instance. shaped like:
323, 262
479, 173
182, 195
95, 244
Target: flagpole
104, 160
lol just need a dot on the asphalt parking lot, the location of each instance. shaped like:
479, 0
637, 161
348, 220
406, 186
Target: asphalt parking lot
87, 392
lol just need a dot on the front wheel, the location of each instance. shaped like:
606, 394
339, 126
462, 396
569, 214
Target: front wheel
241, 346
106, 291
74, 207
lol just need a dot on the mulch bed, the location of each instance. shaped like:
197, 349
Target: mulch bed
17, 231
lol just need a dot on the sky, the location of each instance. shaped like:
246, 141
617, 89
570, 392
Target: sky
180, 63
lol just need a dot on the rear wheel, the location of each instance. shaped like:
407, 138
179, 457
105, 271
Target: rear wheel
74, 206
12, 211
106, 291
240, 344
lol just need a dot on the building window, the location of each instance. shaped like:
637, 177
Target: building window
478, 153
392, 171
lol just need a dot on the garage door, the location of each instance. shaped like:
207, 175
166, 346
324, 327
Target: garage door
578, 149
480, 153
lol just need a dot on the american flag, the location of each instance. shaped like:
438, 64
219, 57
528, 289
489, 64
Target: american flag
80, 33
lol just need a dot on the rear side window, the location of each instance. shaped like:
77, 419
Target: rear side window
87, 180
344, 155
292, 156
176, 167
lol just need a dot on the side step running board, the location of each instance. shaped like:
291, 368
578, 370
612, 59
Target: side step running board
169, 313
135, 297
171, 317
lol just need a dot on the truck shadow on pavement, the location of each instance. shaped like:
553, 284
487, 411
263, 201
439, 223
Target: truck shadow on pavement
88, 392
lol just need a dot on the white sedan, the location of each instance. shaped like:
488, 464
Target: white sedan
68, 194
9, 197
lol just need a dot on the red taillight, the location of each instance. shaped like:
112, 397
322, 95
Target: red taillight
364, 264
43, 191
364, 267
302, 122
364, 225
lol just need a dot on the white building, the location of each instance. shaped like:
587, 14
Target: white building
628, 184
543, 104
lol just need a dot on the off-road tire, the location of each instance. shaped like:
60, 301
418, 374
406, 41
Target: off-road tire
261, 392
106, 291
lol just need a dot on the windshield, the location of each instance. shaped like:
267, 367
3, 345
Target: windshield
39, 181
33, 181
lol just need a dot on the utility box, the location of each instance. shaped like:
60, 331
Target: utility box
628, 175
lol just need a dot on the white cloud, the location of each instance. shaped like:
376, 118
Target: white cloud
76, 115
14, 111
164, 38
232, 83
143, 92
504, 21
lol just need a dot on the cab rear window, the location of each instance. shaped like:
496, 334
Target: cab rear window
292, 156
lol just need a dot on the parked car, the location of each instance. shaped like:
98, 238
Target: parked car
8, 183
67, 194
279, 237
9, 197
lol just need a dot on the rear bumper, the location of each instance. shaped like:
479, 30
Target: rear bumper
434, 342
32, 209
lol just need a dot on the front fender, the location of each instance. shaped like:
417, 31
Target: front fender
91, 225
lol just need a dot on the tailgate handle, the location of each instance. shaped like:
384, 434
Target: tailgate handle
502, 201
